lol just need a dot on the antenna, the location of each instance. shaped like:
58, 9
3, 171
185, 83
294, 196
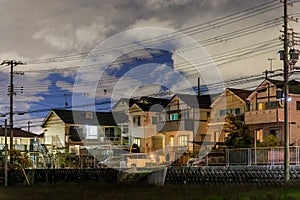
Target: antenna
271, 63
66, 102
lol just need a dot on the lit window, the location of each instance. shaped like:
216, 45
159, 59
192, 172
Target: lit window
260, 106
137, 141
172, 140
174, 116
91, 132
259, 135
183, 141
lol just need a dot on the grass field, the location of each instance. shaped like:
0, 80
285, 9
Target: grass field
101, 191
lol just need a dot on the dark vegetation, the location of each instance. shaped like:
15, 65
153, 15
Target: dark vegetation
101, 191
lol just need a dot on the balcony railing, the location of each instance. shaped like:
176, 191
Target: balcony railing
264, 116
20, 147
176, 125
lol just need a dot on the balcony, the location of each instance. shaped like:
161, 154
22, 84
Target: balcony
175, 125
109, 140
20, 147
264, 116
220, 120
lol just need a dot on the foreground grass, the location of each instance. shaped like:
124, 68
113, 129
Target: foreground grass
103, 191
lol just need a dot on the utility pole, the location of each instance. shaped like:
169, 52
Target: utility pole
285, 90
6, 156
28, 127
287, 42
12, 64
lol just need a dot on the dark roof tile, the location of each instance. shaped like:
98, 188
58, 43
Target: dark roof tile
194, 101
17, 132
95, 118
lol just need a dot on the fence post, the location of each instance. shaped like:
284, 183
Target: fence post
272, 156
297, 155
227, 157
249, 157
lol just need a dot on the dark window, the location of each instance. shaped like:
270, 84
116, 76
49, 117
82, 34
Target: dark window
109, 132
272, 104
298, 105
222, 112
154, 120
237, 111
208, 114
137, 120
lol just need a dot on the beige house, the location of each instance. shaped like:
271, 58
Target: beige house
265, 114
143, 115
79, 131
22, 140
183, 125
231, 101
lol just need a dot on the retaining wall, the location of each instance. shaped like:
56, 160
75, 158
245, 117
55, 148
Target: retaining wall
246, 175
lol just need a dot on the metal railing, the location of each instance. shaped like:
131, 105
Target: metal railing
261, 156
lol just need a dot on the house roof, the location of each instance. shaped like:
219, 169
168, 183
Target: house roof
294, 86
153, 101
195, 101
150, 107
243, 94
89, 118
128, 101
152, 104
17, 132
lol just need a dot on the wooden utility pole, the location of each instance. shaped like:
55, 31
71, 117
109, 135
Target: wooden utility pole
12, 64
285, 88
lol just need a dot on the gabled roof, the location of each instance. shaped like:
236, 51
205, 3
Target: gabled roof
294, 86
243, 94
153, 101
88, 118
194, 101
17, 132
150, 107
130, 102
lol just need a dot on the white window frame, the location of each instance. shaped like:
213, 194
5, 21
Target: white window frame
183, 140
91, 132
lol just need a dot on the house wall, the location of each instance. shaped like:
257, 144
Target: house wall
191, 122
21, 143
145, 130
266, 119
227, 102
54, 131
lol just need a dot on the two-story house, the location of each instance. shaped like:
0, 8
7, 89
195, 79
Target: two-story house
265, 114
78, 131
231, 101
23, 141
183, 125
143, 115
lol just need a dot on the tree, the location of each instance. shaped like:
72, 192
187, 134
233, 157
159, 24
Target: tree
239, 133
269, 141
